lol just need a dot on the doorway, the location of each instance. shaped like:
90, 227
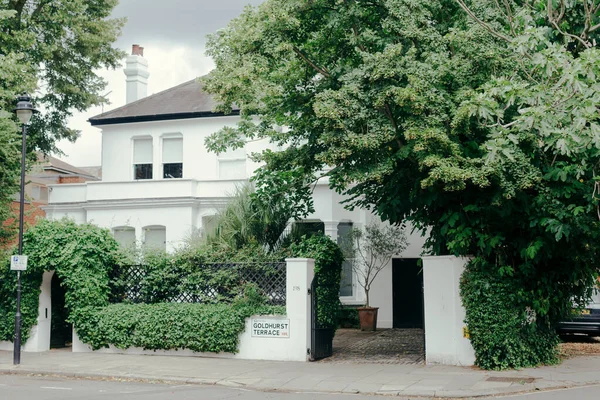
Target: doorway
61, 332
407, 293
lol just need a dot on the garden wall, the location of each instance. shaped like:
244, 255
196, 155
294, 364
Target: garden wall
446, 336
262, 339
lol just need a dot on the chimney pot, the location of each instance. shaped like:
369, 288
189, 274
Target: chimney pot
137, 50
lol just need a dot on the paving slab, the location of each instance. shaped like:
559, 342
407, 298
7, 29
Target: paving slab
376, 378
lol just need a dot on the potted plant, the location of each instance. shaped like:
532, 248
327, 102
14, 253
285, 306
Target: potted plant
371, 250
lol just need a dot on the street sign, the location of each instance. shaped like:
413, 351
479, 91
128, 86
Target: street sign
270, 327
18, 263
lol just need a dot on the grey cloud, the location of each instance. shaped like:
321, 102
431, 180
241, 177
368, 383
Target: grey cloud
182, 22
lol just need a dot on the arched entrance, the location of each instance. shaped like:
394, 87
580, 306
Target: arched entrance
61, 332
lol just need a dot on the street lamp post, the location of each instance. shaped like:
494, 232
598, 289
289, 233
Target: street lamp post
24, 111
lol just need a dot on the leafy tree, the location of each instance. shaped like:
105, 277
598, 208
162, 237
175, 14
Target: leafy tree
51, 49
476, 120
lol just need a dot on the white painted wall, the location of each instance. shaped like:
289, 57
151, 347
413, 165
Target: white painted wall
198, 162
444, 313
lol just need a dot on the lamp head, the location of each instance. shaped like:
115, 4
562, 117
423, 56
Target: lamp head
24, 108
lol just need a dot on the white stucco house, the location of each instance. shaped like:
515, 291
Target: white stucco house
160, 184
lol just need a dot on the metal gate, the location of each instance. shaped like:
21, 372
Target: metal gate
321, 345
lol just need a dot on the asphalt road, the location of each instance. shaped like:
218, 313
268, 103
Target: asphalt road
47, 388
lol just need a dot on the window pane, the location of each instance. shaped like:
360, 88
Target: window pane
174, 170
172, 150
346, 279
345, 243
142, 151
142, 171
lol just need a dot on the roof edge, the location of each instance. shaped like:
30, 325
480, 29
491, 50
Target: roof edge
159, 117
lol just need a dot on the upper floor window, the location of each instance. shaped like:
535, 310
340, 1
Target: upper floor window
172, 158
142, 159
232, 164
345, 242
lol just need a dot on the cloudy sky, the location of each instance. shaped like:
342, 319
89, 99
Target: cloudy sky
173, 34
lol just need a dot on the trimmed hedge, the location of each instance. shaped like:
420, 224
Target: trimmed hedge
168, 326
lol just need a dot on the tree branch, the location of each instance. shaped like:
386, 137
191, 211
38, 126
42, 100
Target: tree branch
482, 23
322, 71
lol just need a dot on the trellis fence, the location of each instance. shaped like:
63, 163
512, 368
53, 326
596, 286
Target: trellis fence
205, 283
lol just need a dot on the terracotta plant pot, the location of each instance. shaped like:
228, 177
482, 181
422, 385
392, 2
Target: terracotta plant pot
368, 318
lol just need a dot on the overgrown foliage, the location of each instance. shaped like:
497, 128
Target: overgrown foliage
172, 326
247, 221
505, 331
328, 268
82, 256
176, 278
475, 120
53, 50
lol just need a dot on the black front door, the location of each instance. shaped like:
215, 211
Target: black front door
407, 289
61, 332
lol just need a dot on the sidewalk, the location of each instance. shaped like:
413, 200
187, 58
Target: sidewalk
389, 379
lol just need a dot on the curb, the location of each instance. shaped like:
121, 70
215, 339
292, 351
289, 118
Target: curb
424, 394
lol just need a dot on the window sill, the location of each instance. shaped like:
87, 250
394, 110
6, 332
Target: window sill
351, 301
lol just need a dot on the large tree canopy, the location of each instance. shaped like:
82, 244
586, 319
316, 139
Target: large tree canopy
51, 49
477, 120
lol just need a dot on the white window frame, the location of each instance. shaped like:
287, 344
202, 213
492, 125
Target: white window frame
134, 163
170, 136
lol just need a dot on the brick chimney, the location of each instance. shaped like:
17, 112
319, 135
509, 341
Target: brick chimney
136, 71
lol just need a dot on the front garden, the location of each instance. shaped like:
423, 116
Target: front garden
197, 298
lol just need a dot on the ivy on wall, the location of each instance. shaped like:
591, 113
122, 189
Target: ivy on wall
80, 254
328, 269
84, 257
504, 330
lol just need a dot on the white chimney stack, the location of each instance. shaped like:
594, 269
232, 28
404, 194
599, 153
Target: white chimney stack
136, 70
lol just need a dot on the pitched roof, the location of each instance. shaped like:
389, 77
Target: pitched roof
49, 162
187, 100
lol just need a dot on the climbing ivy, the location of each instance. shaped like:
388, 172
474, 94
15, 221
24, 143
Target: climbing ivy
328, 268
80, 254
504, 329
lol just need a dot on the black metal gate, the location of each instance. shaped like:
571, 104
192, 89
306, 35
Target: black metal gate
321, 345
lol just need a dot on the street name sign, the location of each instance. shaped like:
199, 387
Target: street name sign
270, 327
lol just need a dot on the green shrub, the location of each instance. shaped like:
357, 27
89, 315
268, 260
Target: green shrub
328, 269
504, 331
169, 326
81, 254
348, 318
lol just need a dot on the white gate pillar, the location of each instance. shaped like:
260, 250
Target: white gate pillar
446, 339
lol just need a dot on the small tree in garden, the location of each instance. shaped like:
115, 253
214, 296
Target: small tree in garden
372, 249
